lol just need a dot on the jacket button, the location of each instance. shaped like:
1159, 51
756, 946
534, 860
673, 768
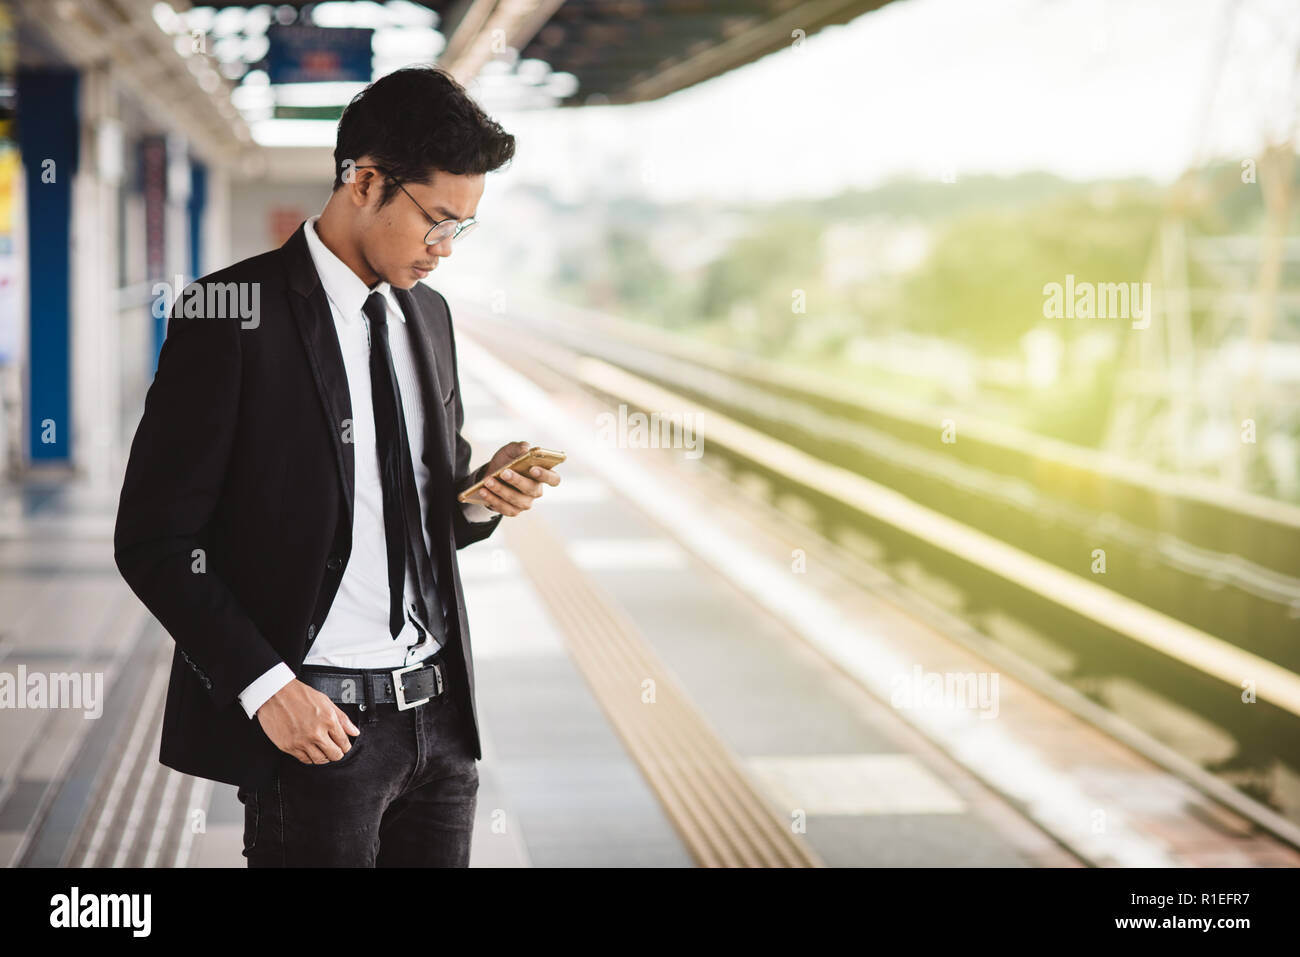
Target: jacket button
333, 564
311, 632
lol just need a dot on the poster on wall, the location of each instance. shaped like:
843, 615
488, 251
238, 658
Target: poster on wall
153, 184
8, 261
283, 222
8, 195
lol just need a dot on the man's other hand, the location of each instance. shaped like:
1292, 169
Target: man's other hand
305, 723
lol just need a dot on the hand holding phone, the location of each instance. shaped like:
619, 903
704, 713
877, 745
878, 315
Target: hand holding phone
545, 458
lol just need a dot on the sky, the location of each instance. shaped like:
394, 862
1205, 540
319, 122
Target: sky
1082, 88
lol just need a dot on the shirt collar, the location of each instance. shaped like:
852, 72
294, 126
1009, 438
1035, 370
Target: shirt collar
344, 287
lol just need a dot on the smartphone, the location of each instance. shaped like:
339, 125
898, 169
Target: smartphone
546, 458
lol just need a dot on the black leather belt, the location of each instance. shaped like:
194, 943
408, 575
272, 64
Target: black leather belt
405, 687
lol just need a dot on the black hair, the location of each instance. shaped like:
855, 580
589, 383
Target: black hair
415, 121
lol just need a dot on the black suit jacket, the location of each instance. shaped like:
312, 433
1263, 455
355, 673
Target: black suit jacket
235, 520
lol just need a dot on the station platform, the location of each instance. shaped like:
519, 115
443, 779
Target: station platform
669, 674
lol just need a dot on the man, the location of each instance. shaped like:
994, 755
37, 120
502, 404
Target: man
289, 515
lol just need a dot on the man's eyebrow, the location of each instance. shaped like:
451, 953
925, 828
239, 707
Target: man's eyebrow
443, 210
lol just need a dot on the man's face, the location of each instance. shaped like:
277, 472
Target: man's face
392, 237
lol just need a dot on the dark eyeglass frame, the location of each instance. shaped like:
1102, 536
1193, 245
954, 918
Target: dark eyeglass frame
463, 226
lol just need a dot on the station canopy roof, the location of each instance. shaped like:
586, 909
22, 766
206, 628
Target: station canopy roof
237, 75
551, 52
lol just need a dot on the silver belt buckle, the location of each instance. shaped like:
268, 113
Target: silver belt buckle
402, 703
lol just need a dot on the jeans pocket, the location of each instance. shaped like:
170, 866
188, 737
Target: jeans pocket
347, 758
252, 818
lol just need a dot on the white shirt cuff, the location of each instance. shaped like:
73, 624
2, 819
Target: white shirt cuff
260, 691
474, 512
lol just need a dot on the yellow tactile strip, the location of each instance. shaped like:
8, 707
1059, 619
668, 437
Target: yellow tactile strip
721, 817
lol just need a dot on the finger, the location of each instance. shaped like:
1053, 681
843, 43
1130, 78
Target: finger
494, 501
506, 492
330, 747
340, 740
548, 476
510, 494
326, 745
522, 482
314, 754
346, 721
497, 503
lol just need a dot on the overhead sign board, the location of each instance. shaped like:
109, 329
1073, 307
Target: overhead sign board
305, 54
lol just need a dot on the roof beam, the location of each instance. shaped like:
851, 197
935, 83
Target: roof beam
489, 26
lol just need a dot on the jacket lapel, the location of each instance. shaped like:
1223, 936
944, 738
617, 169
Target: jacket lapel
311, 313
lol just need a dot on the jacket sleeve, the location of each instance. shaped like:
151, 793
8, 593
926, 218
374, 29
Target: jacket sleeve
173, 480
465, 531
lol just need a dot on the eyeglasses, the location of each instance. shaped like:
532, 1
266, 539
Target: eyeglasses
441, 229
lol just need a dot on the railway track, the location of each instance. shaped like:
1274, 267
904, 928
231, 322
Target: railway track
1009, 567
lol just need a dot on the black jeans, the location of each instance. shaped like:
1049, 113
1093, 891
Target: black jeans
404, 795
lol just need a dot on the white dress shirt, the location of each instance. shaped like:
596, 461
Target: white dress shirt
355, 633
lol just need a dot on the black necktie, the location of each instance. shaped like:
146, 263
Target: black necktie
401, 500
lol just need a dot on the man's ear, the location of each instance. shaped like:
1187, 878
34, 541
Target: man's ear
364, 186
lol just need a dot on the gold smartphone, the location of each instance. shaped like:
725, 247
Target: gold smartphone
546, 458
